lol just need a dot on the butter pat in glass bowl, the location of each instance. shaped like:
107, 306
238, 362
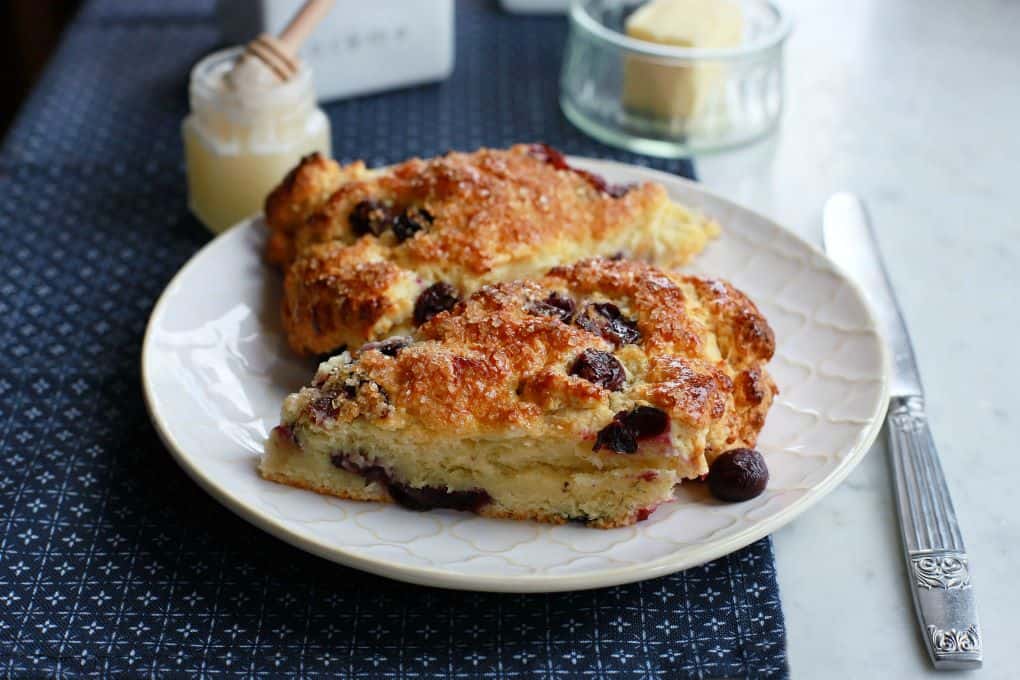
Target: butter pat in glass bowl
674, 77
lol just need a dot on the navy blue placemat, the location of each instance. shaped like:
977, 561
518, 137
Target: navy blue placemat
112, 562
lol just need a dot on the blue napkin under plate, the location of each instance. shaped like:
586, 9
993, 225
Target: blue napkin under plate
112, 562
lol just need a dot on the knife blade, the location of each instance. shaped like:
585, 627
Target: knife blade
938, 565
850, 243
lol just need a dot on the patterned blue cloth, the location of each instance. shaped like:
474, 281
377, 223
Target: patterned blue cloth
112, 562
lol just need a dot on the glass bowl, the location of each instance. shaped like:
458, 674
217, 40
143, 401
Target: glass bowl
662, 100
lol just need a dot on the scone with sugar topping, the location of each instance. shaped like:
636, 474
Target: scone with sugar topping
369, 253
587, 394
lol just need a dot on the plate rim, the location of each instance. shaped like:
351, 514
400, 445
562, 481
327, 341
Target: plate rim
527, 583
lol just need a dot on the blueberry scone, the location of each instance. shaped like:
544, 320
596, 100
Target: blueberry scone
372, 253
587, 394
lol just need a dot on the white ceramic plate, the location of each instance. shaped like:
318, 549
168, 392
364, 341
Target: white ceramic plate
215, 368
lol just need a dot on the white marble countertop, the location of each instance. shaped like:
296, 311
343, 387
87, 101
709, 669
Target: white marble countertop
914, 104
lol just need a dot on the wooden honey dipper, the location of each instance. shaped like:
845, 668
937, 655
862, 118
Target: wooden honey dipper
279, 55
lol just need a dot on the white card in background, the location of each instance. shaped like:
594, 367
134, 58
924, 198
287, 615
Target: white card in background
360, 47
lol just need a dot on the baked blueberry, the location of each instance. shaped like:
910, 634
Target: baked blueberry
438, 297
286, 433
547, 154
645, 421
370, 217
431, 497
555, 304
627, 427
599, 367
373, 473
605, 320
616, 437
324, 407
410, 222
390, 346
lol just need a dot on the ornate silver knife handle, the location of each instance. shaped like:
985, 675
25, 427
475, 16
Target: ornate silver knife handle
936, 557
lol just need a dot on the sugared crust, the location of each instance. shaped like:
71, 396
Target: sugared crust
496, 215
740, 329
299, 195
333, 284
493, 365
490, 206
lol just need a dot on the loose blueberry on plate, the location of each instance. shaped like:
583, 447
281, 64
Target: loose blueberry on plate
738, 475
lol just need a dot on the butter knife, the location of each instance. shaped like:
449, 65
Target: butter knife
937, 561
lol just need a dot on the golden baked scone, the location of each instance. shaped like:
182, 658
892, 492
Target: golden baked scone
587, 394
301, 193
361, 247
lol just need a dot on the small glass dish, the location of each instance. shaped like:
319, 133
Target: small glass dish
662, 100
